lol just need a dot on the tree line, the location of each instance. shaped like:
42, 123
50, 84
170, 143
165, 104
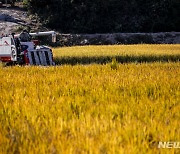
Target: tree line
107, 16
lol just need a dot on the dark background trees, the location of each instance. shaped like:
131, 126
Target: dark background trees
107, 16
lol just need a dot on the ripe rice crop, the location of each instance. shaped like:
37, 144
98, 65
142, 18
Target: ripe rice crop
91, 108
122, 53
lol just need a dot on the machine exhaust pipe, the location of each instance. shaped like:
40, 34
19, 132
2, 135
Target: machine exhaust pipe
52, 33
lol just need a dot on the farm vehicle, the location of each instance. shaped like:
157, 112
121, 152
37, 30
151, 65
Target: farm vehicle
15, 50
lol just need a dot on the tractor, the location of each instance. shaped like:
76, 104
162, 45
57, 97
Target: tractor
15, 51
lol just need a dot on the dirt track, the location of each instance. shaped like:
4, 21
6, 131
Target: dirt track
13, 20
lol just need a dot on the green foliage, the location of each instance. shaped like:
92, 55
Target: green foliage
25, 3
97, 16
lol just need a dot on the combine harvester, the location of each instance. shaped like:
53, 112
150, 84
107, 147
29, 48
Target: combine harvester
15, 51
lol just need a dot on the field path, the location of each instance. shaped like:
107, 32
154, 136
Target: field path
14, 19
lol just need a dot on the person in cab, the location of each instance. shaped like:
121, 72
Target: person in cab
25, 36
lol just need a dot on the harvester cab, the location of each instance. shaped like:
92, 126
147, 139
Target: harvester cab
14, 50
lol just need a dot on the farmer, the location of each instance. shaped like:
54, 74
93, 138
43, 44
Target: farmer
25, 36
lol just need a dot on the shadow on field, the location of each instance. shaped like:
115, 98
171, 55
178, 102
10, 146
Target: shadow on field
121, 59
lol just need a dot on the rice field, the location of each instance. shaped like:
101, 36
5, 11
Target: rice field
122, 53
106, 107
